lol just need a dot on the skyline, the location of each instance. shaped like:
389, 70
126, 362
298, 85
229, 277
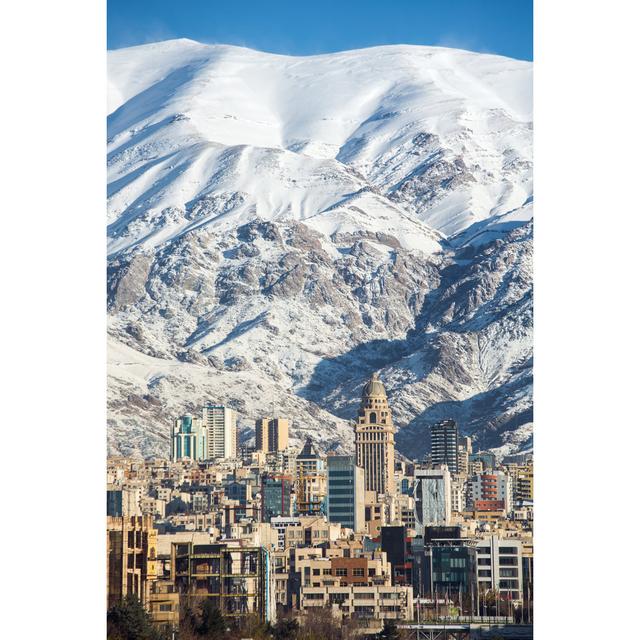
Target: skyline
495, 26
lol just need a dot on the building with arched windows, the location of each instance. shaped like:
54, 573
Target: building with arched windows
374, 435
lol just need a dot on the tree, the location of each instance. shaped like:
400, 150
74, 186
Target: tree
212, 623
285, 629
128, 620
389, 631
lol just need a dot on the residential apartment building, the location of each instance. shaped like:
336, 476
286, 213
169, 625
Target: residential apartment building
490, 492
444, 444
272, 434
131, 557
221, 428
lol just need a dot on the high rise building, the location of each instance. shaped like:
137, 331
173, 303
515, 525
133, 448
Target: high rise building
374, 439
345, 495
432, 494
272, 434
465, 449
523, 482
188, 439
220, 424
276, 496
311, 480
444, 444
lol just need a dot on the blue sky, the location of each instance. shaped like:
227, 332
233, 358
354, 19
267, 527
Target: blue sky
307, 27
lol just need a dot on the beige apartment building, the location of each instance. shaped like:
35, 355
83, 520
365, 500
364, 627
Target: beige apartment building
272, 434
370, 605
131, 558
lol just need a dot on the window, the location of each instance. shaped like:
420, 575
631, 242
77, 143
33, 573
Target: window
165, 607
316, 572
511, 562
508, 550
484, 573
368, 595
359, 572
338, 598
341, 572
326, 572
508, 573
508, 584
484, 561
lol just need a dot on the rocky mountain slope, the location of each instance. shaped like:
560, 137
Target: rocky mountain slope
280, 227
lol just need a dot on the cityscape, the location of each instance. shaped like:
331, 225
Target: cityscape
267, 535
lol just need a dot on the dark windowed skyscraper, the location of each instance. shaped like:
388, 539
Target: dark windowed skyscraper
345, 498
444, 444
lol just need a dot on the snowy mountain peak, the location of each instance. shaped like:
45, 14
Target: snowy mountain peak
293, 221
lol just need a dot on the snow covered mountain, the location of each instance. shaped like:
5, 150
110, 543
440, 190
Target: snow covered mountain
280, 227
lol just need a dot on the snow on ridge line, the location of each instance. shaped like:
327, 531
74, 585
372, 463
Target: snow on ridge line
156, 60
401, 47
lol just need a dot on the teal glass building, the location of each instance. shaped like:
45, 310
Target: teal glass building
189, 439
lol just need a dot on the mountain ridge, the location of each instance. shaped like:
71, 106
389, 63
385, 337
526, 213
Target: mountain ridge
395, 207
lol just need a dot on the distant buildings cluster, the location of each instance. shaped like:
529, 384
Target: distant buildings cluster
272, 529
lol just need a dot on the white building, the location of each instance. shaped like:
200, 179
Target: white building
500, 567
432, 494
490, 492
458, 495
220, 423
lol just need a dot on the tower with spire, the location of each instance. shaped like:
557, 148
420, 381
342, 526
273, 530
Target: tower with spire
374, 438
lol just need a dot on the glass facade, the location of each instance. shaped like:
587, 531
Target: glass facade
341, 490
448, 569
276, 497
189, 439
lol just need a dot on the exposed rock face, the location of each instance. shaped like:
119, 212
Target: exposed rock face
451, 333
280, 257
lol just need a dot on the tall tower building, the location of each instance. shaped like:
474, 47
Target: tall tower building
188, 439
220, 424
374, 438
272, 434
444, 444
345, 497
465, 449
432, 494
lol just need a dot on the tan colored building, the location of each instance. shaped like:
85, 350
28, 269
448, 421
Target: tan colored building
374, 438
164, 604
524, 482
272, 434
131, 558
371, 605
